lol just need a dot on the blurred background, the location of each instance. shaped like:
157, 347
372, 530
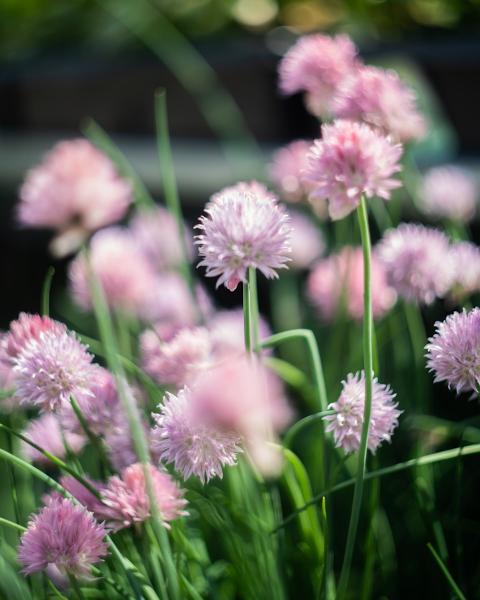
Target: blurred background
62, 63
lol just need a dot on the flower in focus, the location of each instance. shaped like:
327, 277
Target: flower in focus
286, 170
336, 282
306, 240
173, 359
317, 65
47, 433
259, 190
351, 160
75, 190
190, 442
128, 498
383, 101
453, 353
227, 332
240, 230
347, 422
51, 369
156, 234
449, 192
65, 536
121, 268
23, 330
418, 262
466, 269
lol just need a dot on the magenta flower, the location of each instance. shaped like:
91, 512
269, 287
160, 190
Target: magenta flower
64, 536
317, 65
336, 284
47, 433
190, 442
23, 330
383, 101
347, 422
75, 190
51, 369
418, 262
465, 257
227, 332
240, 230
453, 353
125, 288
449, 192
100, 511
306, 240
128, 498
287, 171
352, 160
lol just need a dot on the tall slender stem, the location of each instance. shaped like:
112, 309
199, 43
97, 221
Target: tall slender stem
368, 366
254, 312
247, 326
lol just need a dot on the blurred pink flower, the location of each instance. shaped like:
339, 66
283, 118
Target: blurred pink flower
75, 190
465, 257
382, 100
124, 273
227, 332
449, 192
347, 422
128, 498
306, 240
47, 433
286, 170
242, 229
349, 161
86, 498
418, 261
336, 282
23, 330
317, 64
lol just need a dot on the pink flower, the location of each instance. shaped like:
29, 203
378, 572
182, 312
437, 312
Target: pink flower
352, 160
347, 422
75, 190
336, 284
306, 240
259, 190
85, 496
128, 498
383, 101
242, 229
47, 433
453, 353
418, 262
317, 64
449, 192
286, 170
64, 536
23, 330
465, 258
124, 273
190, 442
174, 359
51, 369
227, 332
156, 234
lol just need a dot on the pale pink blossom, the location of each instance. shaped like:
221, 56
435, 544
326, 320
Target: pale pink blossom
465, 257
306, 240
286, 170
227, 334
258, 189
449, 192
26, 328
46, 432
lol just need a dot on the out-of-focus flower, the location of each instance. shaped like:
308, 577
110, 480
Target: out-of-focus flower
317, 65
449, 192
380, 99
75, 190
86, 498
286, 170
418, 262
47, 433
51, 369
121, 268
347, 422
156, 234
306, 240
128, 498
240, 230
174, 359
187, 439
349, 161
227, 334
65, 536
336, 283
453, 353
466, 269
23, 330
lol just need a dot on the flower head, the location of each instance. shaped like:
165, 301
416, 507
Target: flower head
306, 240
465, 258
317, 65
453, 353
349, 161
47, 433
190, 442
51, 369
449, 192
23, 330
336, 282
418, 262
242, 229
227, 332
347, 422
75, 190
128, 498
65, 536
382, 100
287, 171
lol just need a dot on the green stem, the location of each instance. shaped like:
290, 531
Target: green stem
299, 425
456, 590
252, 288
47, 286
93, 439
77, 592
247, 313
368, 367
12, 525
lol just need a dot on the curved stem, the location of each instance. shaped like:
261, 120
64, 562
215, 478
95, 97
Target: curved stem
12, 525
47, 285
368, 366
299, 425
